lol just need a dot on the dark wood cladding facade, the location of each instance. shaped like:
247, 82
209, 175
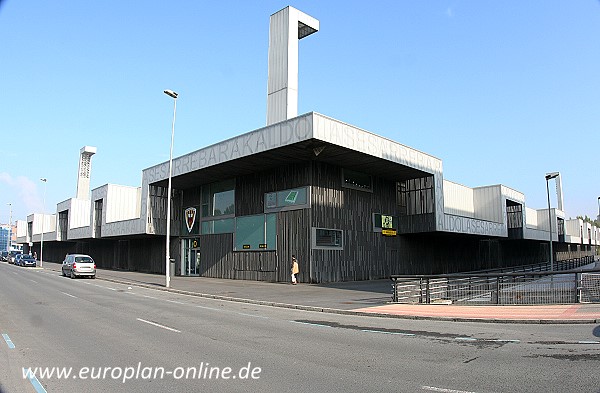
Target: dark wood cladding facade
217, 258
365, 253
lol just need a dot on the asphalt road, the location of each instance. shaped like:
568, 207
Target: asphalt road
131, 339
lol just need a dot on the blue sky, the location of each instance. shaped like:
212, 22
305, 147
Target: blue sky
501, 91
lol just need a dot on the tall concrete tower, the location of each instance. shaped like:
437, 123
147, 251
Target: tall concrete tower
286, 28
85, 168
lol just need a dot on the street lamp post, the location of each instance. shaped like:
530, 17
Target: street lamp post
43, 221
173, 95
549, 176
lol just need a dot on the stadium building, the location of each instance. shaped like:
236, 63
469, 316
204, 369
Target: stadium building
351, 205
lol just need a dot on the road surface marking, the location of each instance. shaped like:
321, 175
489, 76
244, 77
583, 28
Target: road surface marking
504, 341
33, 281
209, 308
157, 325
68, 294
8, 341
101, 286
174, 301
311, 324
384, 332
434, 389
588, 342
36, 384
253, 316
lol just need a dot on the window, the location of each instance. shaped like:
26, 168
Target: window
327, 238
514, 215
357, 180
63, 224
223, 203
218, 199
218, 226
295, 198
256, 233
416, 196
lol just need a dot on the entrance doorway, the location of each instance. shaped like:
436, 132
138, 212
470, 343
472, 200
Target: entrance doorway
190, 261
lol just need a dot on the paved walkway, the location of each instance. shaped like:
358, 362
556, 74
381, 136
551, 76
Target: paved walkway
358, 297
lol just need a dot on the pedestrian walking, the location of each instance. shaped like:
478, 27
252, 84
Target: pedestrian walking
295, 270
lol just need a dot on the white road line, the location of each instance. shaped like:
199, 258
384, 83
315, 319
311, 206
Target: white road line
434, 389
253, 316
34, 281
503, 341
588, 342
174, 301
384, 332
101, 286
208, 308
68, 294
311, 324
158, 325
150, 297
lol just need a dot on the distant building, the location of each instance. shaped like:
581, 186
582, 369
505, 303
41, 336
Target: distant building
5, 233
350, 204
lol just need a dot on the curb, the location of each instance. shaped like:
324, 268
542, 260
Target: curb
354, 313
358, 313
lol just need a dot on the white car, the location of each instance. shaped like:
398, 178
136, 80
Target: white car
78, 265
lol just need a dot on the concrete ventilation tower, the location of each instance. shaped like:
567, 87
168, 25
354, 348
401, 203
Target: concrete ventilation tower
559, 194
83, 175
286, 28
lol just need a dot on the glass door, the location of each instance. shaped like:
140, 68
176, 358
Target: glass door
190, 263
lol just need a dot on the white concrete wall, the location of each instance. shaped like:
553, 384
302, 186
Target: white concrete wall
79, 214
488, 203
21, 231
122, 203
458, 200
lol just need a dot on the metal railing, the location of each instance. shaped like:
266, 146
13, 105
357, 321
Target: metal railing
532, 285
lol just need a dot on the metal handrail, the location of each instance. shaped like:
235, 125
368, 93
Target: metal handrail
516, 287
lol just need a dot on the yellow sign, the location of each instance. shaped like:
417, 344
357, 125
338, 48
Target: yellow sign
389, 232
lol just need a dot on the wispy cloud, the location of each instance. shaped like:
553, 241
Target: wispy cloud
450, 12
25, 190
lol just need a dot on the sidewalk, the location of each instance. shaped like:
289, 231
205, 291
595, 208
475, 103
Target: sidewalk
358, 298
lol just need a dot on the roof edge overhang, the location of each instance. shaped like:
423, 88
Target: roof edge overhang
309, 129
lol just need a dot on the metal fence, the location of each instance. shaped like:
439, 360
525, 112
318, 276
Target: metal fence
532, 285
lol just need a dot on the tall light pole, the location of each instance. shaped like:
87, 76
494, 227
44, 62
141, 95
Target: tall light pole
172, 94
43, 221
549, 176
10, 226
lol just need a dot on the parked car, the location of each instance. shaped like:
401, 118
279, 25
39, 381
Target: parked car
4, 256
27, 260
78, 265
12, 256
17, 259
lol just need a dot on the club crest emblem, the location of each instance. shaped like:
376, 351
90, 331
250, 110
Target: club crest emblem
190, 218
